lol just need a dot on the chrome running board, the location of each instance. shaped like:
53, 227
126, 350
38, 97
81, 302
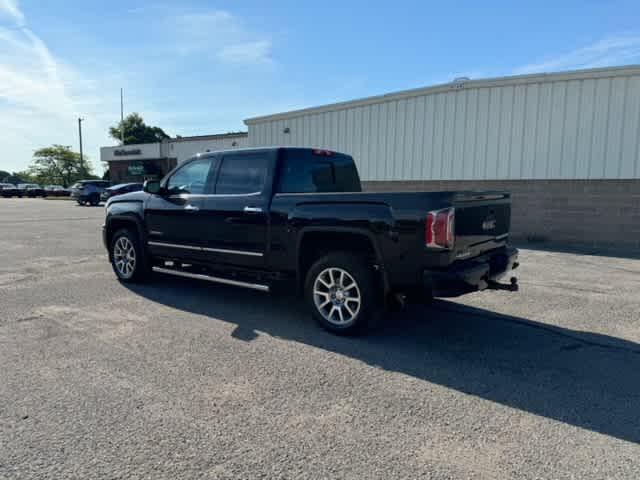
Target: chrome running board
209, 278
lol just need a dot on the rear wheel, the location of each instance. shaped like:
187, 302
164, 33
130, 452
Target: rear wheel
94, 199
127, 257
340, 291
81, 202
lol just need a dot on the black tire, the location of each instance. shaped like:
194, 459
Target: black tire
81, 202
363, 276
94, 199
141, 268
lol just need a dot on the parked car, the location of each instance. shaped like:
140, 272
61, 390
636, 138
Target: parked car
119, 190
8, 190
266, 217
89, 191
55, 191
31, 190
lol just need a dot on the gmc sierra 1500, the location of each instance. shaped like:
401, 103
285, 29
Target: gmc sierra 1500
264, 217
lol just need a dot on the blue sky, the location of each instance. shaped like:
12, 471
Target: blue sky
199, 67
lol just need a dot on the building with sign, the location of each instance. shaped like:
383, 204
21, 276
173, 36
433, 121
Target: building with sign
136, 163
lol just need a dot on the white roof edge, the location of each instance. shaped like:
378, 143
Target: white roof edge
445, 87
213, 136
128, 147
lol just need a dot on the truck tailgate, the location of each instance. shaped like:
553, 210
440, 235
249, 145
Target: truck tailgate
482, 218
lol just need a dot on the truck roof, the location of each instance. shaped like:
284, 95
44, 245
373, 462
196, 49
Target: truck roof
261, 149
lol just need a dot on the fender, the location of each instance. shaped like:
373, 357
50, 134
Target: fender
352, 230
128, 217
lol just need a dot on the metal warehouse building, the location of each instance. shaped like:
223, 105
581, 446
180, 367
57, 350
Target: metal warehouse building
565, 144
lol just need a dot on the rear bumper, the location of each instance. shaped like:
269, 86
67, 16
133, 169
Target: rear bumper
471, 275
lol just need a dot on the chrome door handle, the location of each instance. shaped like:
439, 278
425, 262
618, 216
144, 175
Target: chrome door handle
252, 210
191, 208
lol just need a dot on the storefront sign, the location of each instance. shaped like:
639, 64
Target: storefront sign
123, 152
136, 169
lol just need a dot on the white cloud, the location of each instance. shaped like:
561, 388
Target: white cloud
247, 53
10, 9
220, 35
610, 51
42, 95
36, 106
29, 74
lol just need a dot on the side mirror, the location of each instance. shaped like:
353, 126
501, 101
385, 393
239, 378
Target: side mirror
152, 186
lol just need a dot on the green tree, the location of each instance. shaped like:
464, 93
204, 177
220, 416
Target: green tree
136, 131
58, 164
15, 177
22, 177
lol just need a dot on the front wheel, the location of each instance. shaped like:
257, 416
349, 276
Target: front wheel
127, 258
340, 291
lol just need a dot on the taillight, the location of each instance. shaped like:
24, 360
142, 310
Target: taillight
440, 228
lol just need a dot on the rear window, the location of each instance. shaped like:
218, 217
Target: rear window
91, 183
310, 171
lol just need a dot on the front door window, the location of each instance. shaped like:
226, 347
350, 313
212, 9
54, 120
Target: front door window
190, 179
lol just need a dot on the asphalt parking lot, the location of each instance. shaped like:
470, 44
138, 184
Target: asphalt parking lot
181, 379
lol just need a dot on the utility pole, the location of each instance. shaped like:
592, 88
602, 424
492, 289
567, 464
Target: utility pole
80, 134
121, 116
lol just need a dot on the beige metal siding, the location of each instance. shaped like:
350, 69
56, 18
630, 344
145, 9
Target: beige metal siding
184, 149
578, 125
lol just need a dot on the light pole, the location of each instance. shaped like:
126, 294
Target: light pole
122, 116
80, 134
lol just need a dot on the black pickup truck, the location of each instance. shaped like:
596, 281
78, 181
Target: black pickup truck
265, 218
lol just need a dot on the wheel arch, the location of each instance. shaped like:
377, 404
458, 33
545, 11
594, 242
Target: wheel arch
314, 242
120, 221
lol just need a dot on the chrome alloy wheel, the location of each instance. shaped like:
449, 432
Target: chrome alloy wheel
337, 296
124, 257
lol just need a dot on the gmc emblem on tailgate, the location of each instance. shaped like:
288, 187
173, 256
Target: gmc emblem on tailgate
489, 223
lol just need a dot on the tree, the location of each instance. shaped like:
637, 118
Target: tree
136, 131
58, 164
21, 177
15, 177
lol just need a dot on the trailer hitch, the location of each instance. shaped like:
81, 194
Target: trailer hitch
511, 287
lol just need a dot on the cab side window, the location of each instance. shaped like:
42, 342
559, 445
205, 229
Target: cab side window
190, 179
242, 174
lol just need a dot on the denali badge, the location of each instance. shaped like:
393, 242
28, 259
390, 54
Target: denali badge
489, 223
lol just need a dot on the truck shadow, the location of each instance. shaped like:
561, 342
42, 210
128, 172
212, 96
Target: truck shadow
587, 380
613, 252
